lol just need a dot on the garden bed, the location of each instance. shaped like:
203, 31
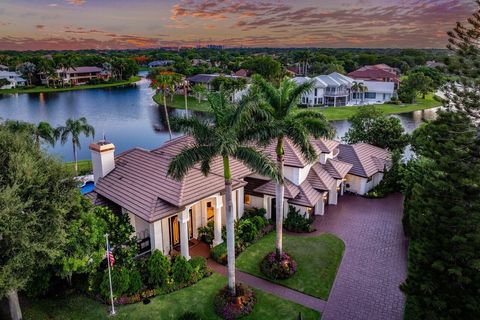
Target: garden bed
318, 259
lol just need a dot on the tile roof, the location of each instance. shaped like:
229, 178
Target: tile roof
81, 70
307, 196
325, 145
337, 169
291, 190
366, 159
139, 182
320, 178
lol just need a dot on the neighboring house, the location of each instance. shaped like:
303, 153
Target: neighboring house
335, 90
198, 62
378, 72
160, 63
206, 81
242, 73
3, 67
166, 213
79, 75
14, 78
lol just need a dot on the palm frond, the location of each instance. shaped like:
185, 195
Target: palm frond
187, 159
199, 129
300, 137
268, 91
315, 122
258, 162
296, 93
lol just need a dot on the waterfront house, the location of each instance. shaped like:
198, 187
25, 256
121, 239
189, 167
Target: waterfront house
3, 67
14, 79
166, 213
160, 63
206, 80
377, 73
79, 75
335, 90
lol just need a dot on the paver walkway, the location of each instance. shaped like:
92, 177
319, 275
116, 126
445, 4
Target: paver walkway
267, 286
375, 259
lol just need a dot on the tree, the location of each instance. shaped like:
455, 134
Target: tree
463, 40
416, 83
164, 82
27, 69
442, 202
371, 126
285, 120
41, 132
220, 138
199, 91
36, 193
75, 128
265, 66
359, 88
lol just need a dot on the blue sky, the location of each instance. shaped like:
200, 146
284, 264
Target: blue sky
117, 24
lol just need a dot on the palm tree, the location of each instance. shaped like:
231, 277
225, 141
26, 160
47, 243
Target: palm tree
163, 83
41, 132
359, 88
199, 91
75, 128
285, 120
220, 138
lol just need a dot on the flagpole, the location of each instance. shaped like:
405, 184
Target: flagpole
112, 312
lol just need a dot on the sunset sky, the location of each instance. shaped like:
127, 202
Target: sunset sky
122, 24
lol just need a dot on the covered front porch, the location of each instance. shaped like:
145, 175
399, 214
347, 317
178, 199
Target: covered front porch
178, 233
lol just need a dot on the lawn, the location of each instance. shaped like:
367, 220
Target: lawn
318, 259
84, 166
179, 103
331, 113
39, 89
197, 298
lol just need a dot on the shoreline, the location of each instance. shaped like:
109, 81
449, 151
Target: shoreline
331, 113
82, 87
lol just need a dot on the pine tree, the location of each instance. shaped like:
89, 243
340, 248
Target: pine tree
442, 218
464, 39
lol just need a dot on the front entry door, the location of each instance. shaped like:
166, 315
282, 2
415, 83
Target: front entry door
174, 231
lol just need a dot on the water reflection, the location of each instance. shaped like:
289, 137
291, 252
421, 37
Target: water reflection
128, 116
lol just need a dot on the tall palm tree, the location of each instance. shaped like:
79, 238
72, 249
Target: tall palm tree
285, 120
41, 132
359, 88
163, 83
75, 128
220, 138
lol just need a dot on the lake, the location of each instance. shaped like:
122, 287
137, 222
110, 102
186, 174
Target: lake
127, 116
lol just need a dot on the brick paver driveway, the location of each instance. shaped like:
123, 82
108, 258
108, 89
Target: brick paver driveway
375, 259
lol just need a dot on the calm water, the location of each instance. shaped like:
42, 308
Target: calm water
127, 116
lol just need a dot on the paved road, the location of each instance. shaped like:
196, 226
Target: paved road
374, 262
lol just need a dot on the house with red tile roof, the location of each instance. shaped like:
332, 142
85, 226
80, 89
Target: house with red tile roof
378, 72
167, 213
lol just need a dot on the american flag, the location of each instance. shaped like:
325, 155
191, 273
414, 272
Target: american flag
109, 256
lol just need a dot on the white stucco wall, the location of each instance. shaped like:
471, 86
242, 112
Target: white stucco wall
297, 175
355, 184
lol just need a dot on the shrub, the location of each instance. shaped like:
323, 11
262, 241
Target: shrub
206, 233
135, 282
182, 271
275, 266
233, 307
190, 316
254, 212
219, 253
199, 266
296, 222
158, 267
120, 282
247, 231
260, 222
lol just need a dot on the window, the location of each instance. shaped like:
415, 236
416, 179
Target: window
247, 200
370, 95
210, 211
316, 92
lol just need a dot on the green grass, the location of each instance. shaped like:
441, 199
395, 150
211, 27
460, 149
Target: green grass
179, 103
197, 298
39, 89
343, 113
84, 166
318, 259
331, 113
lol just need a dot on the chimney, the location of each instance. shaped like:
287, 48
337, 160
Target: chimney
103, 159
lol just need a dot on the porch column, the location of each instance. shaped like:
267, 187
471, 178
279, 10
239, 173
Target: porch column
217, 222
342, 188
241, 202
183, 218
155, 230
334, 101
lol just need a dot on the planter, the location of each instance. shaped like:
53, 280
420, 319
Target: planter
277, 267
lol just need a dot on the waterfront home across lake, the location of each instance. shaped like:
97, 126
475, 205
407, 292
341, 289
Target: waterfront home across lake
78, 75
336, 90
166, 213
14, 79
